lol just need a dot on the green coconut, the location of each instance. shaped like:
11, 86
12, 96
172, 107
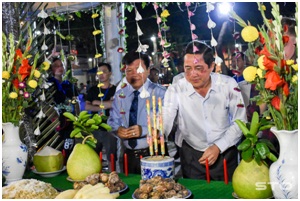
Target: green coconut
251, 181
48, 160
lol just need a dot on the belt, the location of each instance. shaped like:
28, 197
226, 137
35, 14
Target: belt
138, 152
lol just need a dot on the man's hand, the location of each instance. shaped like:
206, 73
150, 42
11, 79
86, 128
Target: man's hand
211, 153
134, 131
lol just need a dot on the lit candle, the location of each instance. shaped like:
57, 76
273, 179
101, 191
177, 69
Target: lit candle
125, 164
112, 162
154, 125
141, 156
162, 139
207, 171
149, 137
100, 157
225, 171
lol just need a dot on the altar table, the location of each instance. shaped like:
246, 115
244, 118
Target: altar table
200, 188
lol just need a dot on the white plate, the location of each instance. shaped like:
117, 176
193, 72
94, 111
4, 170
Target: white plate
49, 174
189, 195
122, 190
71, 180
237, 197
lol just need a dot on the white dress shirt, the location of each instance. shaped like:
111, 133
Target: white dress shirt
204, 121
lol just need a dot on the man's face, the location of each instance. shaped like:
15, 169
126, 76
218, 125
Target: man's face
154, 76
136, 80
290, 47
106, 74
58, 68
237, 63
197, 73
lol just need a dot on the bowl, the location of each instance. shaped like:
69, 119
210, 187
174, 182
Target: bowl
152, 166
49, 174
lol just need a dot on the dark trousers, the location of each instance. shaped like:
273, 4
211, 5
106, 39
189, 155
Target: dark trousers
134, 163
191, 168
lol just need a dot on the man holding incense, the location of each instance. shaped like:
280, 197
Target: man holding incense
128, 115
205, 104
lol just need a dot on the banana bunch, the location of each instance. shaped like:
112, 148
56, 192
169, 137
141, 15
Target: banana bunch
98, 191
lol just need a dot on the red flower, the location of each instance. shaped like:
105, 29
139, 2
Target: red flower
19, 53
265, 51
15, 82
257, 51
275, 102
269, 63
24, 69
286, 89
261, 38
120, 50
121, 31
273, 80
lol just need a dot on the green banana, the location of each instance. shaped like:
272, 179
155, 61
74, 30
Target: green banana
75, 132
106, 126
70, 116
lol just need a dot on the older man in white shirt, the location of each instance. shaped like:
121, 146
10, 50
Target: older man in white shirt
206, 105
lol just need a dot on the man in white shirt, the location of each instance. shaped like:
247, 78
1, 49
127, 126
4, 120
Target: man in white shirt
206, 105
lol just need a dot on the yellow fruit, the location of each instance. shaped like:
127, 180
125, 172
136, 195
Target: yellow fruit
249, 34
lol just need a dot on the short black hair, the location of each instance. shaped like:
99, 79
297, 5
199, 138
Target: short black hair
154, 69
202, 48
105, 64
290, 23
134, 55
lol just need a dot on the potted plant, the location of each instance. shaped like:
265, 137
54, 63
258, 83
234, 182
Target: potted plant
84, 160
251, 177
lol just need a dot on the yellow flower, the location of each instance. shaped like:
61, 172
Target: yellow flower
98, 55
295, 78
46, 65
249, 33
99, 72
96, 32
100, 85
259, 72
13, 95
165, 13
295, 67
260, 61
250, 73
28, 56
289, 62
32, 84
100, 95
263, 7
101, 106
95, 15
5, 75
37, 74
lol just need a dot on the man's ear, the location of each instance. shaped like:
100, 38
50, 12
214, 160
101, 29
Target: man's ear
212, 66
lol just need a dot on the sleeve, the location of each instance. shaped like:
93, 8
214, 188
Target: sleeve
170, 109
115, 118
236, 111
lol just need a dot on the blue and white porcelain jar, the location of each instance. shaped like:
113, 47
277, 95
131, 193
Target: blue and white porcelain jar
14, 154
152, 166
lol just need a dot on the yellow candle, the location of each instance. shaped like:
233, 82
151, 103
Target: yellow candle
149, 137
162, 140
154, 125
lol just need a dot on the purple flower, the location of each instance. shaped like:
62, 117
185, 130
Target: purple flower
26, 94
22, 85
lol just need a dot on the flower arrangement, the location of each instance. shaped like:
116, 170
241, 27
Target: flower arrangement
274, 76
20, 77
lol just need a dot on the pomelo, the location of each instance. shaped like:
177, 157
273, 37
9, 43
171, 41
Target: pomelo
251, 181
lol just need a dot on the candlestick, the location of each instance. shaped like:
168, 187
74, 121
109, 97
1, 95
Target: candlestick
154, 126
100, 157
125, 164
225, 171
149, 137
112, 162
207, 171
162, 140
141, 156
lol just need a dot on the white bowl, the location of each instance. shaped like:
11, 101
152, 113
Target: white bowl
152, 166
49, 174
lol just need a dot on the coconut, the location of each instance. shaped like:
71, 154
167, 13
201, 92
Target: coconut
48, 160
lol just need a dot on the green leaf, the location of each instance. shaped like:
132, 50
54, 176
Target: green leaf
257, 156
272, 157
78, 14
247, 155
254, 123
269, 144
242, 126
244, 145
262, 149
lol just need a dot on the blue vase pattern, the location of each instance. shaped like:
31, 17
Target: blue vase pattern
151, 169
